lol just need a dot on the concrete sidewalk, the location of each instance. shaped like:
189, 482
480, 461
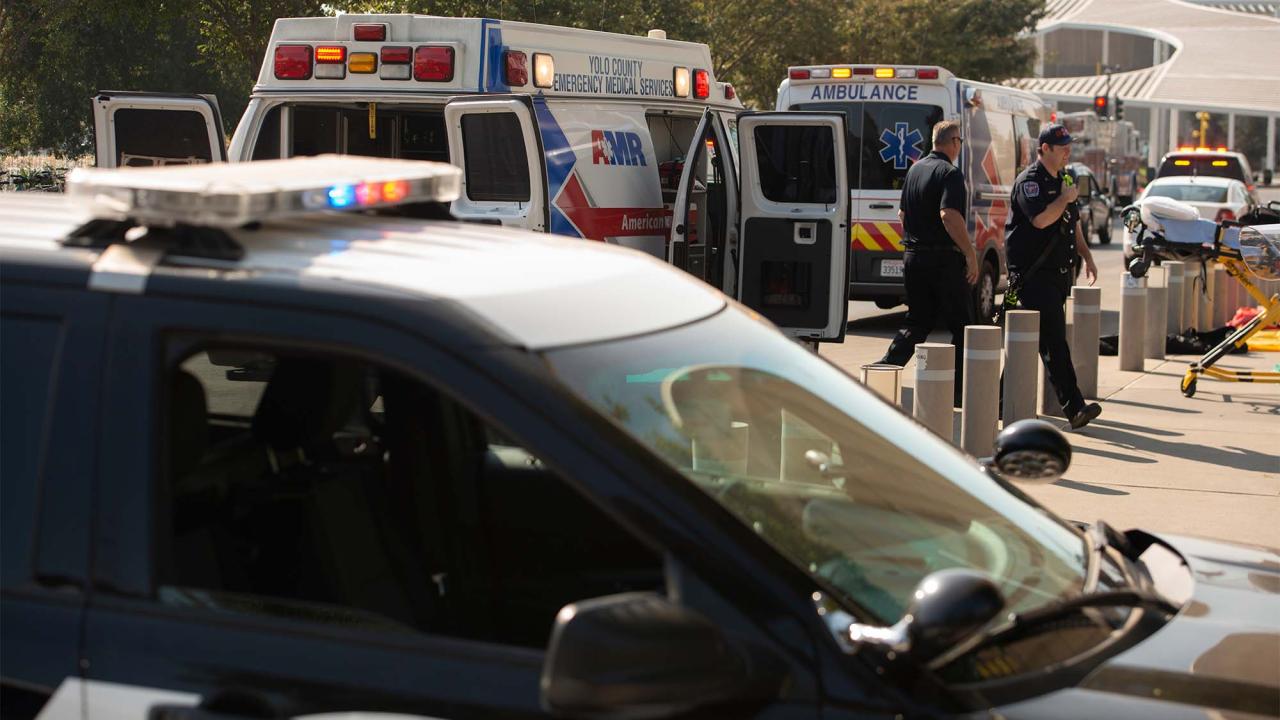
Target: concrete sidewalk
1207, 465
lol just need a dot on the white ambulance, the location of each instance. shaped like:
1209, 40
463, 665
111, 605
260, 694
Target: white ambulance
890, 111
581, 133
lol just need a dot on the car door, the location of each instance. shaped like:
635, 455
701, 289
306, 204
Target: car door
495, 140
704, 235
50, 370
137, 129
784, 229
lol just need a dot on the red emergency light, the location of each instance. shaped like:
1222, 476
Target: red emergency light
369, 33
433, 63
798, 74
292, 62
729, 92
397, 55
701, 84
515, 68
927, 73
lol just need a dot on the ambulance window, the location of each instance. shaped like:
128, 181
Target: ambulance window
1003, 150
493, 152
267, 146
146, 138
315, 131
1025, 131
796, 163
369, 133
894, 135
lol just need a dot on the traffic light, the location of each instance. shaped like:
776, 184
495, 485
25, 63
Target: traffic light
1100, 105
1119, 108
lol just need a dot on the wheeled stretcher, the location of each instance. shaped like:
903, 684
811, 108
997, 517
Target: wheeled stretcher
1173, 231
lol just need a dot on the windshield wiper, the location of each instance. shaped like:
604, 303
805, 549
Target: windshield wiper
1055, 611
1098, 538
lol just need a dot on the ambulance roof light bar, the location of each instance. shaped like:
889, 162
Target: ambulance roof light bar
229, 195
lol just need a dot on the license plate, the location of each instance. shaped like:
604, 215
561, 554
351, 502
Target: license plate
891, 268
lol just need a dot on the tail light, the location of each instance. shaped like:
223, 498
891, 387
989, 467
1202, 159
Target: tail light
397, 63
1225, 214
701, 84
292, 62
798, 74
515, 68
331, 62
369, 33
433, 63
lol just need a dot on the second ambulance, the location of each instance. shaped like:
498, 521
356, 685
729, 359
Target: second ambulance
889, 112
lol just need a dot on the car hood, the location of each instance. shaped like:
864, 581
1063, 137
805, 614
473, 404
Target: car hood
1219, 657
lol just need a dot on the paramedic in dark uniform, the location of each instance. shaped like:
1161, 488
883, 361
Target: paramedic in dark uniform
939, 264
1044, 222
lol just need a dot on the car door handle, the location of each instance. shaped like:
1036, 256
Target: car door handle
881, 206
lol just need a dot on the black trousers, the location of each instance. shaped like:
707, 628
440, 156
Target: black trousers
1048, 296
936, 288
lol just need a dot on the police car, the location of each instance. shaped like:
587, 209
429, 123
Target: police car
262, 459
581, 133
890, 111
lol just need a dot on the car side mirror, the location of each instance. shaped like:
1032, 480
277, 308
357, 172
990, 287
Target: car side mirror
1030, 451
946, 607
639, 655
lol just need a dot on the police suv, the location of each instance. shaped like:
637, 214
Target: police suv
576, 132
889, 112
262, 459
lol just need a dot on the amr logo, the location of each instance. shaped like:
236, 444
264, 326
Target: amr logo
609, 147
900, 144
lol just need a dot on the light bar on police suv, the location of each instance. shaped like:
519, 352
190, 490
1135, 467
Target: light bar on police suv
235, 194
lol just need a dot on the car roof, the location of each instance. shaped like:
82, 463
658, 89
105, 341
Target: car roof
537, 290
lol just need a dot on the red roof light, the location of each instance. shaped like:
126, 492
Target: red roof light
797, 74
369, 33
516, 68
927, 73
701, 84
433, 63
397, 55
292, 62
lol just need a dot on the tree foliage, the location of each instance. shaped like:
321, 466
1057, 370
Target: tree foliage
59, 52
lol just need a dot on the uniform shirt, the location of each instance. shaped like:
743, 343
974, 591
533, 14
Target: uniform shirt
1033, 191
932, 183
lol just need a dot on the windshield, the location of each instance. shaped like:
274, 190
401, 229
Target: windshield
841, 483
1212, 166
1190, 193
884, 138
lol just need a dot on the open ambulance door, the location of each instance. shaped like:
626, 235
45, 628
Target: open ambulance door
139, 129
794, 225
704, 232
495, 140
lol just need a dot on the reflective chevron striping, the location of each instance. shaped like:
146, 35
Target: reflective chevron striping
882, 236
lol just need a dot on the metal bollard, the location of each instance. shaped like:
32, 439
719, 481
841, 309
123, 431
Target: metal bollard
1191, 296
980, 399
935, 387
1173, 277
1221, 296
1157, 309
1133, 316
885, 380
1021, 358
1087, 329
1204, 314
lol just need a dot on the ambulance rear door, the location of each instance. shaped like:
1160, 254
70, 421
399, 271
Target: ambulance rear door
794, 221
495, 140
704, 232
139, 129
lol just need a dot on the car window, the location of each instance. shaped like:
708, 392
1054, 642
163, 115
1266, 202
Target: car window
496, 161
338, 492
26, 375
1189, 192
412, 132
845, 486
796, 164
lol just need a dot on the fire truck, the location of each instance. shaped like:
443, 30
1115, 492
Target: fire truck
1111, 149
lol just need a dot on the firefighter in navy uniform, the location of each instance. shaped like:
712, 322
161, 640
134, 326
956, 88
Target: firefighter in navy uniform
1042, 239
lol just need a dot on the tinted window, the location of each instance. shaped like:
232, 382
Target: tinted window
27, 358
333, 491
884, 139
495, 158
1189, 193
796, 163
267, 146
393, 131
146, 138
1212, 166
